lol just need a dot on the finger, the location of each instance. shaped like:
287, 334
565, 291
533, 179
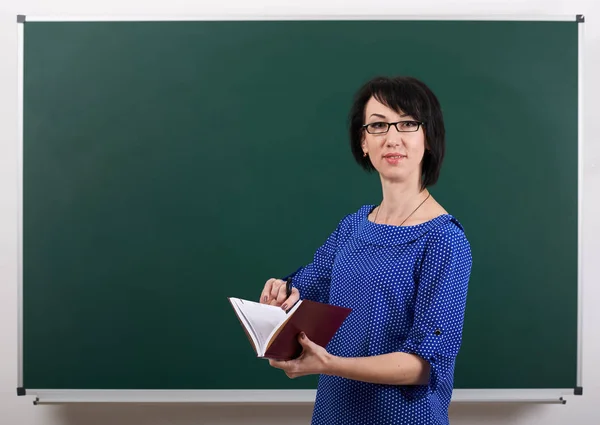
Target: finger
275, 291
306, 343
282, 294
275, 288
279, 364
292, 299
273, 301
265, 294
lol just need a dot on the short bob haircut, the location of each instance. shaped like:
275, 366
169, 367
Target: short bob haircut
410, 96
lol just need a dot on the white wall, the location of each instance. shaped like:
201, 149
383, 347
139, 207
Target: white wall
19, 410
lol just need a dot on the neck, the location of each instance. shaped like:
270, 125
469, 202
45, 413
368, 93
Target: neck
399, 200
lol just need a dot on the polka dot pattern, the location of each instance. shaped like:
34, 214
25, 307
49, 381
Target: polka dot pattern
407, 287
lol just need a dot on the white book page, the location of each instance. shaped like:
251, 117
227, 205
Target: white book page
262, 319
288, 314
236, 303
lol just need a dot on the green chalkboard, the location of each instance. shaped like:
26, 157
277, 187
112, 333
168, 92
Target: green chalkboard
167, 165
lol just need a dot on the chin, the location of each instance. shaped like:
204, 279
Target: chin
394, 177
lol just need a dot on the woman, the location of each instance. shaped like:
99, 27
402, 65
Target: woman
402, 266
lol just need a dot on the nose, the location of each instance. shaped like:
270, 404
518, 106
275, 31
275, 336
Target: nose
394, 137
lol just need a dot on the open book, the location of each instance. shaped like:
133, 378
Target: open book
273, 333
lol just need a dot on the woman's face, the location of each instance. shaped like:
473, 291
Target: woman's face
397, 156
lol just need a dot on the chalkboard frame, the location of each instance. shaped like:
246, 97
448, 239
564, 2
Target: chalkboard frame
288, 396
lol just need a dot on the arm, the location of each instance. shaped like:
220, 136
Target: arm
436, 333
310, 281
313, 280
391, 369
426, 357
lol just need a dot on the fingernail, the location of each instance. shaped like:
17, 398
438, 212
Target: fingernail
265, 298
284, 306
302, 335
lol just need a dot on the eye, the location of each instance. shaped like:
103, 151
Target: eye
378, 125
408, 124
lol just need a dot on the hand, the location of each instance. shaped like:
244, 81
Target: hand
313, 360
274, 293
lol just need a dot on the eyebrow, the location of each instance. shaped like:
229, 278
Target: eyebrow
383, 116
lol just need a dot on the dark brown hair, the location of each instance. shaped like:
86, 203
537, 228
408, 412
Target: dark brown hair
410, 96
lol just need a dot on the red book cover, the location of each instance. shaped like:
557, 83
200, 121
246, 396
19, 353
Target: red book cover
274, 333
318, 321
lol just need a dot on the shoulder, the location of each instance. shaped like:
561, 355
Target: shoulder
354, 219
448, 238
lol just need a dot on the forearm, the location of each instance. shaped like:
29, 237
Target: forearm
393, 369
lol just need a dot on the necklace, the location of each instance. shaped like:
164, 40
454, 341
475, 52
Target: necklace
377, 213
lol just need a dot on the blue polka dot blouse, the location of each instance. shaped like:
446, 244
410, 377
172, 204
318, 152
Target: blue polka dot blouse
407, 287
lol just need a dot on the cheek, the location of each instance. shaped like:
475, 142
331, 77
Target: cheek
418, 145
371, 145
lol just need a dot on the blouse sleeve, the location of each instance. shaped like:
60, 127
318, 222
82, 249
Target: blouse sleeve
313, 280
436, 332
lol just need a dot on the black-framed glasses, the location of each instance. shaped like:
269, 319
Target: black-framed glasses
382, 127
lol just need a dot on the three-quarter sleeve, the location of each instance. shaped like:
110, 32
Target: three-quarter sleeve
441, 295
313, 280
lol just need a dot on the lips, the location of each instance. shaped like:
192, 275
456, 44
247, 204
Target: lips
393, 158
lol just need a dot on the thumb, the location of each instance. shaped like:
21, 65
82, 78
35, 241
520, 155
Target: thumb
305, 342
